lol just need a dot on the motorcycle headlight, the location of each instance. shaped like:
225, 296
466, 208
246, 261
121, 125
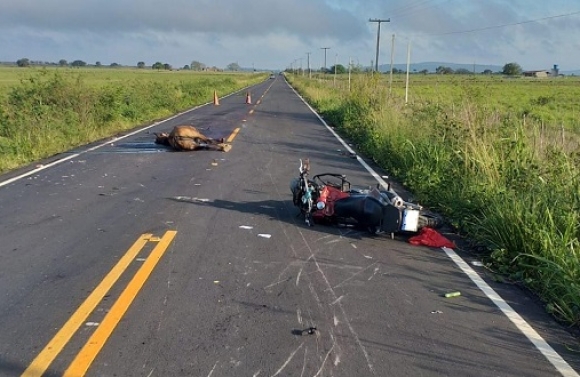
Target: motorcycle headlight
320, 205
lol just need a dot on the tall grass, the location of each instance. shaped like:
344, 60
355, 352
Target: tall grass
504, 178
52, 110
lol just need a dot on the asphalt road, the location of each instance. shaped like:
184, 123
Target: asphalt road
126, 259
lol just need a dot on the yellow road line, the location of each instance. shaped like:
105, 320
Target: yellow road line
41, 363
86, 356
233, 135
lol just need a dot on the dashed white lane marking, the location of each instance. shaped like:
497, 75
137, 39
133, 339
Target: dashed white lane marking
553, 357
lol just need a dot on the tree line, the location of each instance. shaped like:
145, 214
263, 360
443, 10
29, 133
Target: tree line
194, 66
509, 69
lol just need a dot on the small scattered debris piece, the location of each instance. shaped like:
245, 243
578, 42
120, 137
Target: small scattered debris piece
477, 263
309, 331
216, 281
263, 235
92, 324
436, 312
246, 227
452, 294
214, 162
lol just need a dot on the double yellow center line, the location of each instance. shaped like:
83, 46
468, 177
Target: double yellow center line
86, 356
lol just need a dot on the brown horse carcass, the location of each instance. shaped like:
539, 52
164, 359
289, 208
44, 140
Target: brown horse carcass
188, 138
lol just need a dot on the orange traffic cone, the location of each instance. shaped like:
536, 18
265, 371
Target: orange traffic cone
248, 98
216, 100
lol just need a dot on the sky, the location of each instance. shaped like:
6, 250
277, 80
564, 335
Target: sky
278, 34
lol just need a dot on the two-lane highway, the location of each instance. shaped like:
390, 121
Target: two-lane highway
126, 259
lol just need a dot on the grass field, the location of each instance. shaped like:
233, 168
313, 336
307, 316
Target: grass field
44, 111
11, 75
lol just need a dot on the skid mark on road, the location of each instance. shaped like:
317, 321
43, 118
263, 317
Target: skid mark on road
288, 360
354, 275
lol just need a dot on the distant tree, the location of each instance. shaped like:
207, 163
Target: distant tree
197, 66
512, 69
424, 71
78, 63
444, 70
114, 65
463, 71
141, 65
339, 69
98, 64
186, 67
487, 72
158, 66
62, 62
233, 67
24, 62
167, 66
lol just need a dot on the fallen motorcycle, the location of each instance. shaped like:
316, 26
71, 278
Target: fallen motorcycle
328, 198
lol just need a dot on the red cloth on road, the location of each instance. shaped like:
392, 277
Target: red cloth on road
430, 237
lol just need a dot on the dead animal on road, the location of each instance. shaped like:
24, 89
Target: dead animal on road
188, 138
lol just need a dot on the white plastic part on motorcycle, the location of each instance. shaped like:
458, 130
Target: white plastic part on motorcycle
320, 205
410, 221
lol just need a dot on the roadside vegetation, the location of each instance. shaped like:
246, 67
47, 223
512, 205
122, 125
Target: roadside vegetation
497, 156
44, 111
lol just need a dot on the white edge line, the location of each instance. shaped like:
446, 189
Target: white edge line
75, 155
553, 357
113, 140
381, 181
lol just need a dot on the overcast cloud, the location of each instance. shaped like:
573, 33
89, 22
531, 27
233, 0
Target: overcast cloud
275, 34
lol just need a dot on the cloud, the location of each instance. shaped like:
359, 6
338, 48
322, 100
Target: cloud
278, 33
311, 19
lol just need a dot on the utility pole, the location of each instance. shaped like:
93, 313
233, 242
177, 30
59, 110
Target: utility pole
408, 67
392, 59
349, 69
378, 21
308, 63
335, 63
324, 48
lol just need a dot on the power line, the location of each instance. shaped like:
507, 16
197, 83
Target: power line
413, 8
504, 25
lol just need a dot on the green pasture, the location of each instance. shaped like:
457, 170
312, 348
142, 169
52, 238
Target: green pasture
551, 101
44, 111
